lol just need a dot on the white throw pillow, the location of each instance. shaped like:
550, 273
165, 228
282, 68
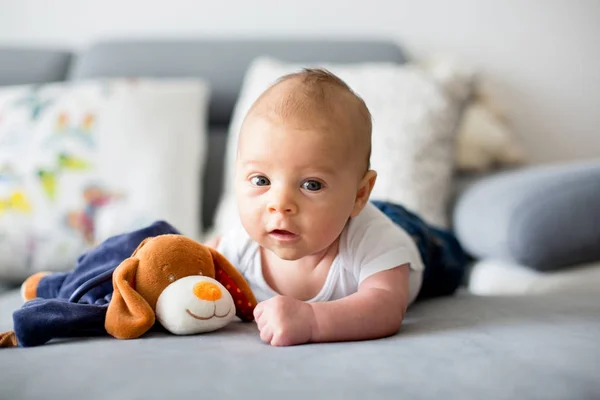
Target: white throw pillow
493, 277
414, 125
82, 161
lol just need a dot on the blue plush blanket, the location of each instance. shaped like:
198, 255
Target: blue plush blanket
52, 315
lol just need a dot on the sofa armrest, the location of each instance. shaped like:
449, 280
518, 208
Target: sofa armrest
544, 217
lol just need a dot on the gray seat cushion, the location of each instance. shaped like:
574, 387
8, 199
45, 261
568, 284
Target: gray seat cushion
19, 66
222, 62
544, 217
464, 347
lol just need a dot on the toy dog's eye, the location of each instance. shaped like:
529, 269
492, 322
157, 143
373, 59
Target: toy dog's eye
171, 278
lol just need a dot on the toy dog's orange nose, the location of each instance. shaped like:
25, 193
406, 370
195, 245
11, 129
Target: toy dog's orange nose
207, 291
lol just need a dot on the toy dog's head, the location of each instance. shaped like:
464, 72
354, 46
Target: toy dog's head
186, 286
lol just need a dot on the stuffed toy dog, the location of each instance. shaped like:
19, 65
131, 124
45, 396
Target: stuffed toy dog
129, 282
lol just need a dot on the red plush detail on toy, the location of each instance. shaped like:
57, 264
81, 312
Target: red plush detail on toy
244, 308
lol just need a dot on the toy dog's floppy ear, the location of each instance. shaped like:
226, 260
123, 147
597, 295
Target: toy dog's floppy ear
235, 283
129, 315
8, 339
142, 243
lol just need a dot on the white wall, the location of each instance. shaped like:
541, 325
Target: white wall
542, 57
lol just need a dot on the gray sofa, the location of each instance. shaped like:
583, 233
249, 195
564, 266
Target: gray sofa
459, 347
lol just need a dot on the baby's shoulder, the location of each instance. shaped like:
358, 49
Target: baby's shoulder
371, 234
372, 242
373, 225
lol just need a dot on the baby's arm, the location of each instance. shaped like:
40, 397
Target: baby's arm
375, 310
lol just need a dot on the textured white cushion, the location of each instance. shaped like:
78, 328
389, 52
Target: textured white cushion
496, 277
414, 121
82, 161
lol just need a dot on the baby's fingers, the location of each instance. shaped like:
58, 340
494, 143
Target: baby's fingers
260, 323
266, 334
258, 310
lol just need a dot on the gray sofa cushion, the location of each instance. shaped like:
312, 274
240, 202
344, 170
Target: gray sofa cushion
544, 217
222, 62
463, 347
20, 66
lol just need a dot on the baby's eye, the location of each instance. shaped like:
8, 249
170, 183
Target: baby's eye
260, 180
312, 185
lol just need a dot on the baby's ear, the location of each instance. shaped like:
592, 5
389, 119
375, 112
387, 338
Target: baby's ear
364, 191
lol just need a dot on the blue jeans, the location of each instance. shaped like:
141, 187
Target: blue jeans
444, 258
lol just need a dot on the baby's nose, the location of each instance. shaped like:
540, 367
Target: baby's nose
283, 203
283, 208
207, 291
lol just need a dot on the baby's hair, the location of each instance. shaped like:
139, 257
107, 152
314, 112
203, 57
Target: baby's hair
316, 77
319, 80
318, 84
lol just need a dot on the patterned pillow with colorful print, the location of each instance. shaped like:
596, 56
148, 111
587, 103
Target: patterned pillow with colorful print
116, 153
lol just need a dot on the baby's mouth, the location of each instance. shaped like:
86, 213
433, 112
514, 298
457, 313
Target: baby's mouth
283, 235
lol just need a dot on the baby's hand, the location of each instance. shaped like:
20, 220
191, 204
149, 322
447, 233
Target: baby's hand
285, 321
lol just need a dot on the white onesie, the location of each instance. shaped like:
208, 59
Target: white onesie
370, 243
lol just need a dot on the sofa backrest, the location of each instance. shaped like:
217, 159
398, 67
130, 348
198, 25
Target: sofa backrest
32, 65
223, 62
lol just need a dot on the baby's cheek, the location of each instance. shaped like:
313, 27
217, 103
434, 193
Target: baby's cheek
250, 217
329, 226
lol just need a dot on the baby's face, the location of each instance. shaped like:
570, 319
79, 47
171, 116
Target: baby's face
295, 186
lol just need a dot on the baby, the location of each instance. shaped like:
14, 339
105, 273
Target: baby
324, 262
